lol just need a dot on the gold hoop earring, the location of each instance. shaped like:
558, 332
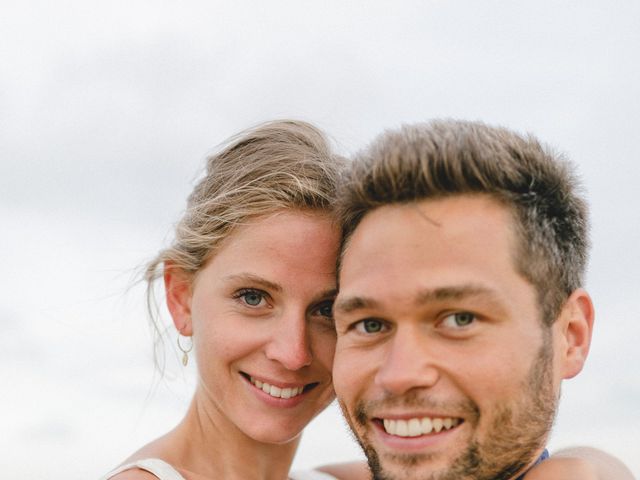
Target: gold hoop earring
185, 351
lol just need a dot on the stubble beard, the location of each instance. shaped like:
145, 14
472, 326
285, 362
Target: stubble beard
517, 432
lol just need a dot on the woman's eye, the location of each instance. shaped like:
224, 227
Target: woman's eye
459, 320
325, 310
370, 325
253, 298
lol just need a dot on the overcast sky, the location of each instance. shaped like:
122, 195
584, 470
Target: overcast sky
108, 109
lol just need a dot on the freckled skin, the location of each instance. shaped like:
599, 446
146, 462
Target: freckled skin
261, 307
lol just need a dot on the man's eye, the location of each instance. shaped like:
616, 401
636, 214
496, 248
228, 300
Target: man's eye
253, 298
370, 325
459, 320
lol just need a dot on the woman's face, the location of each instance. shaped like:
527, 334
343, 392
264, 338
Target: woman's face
260, 315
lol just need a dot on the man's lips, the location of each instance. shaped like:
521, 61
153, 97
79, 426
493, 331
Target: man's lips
283, 390
417, 426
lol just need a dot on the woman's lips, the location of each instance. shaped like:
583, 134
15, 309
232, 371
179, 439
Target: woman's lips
282, 391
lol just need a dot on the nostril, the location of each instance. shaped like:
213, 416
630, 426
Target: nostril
292, 357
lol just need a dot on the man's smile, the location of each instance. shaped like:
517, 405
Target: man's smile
417, 426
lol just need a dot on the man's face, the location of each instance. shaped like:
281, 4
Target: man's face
443, 368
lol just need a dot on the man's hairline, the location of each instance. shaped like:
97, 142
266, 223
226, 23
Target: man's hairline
346, 239
519, 247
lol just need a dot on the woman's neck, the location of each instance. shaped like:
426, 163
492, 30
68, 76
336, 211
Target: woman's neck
206, 445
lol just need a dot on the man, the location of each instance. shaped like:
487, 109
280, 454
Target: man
460, 309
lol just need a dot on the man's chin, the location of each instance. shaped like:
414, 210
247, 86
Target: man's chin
468, 465
407, 466
421, 457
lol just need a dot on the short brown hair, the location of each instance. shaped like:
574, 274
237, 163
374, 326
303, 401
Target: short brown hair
445, 157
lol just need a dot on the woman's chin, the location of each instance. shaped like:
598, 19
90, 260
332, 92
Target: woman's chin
276, 436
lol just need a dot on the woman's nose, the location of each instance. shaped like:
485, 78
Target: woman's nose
289, 343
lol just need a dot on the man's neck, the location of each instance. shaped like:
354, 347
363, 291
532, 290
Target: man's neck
543, 456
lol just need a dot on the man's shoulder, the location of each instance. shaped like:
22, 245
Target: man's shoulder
347, 471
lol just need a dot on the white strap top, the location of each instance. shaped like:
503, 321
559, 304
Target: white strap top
159, 468
164, 471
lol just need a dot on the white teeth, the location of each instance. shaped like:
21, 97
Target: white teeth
438, 424
426, 425
415, 427
402, 428
277, 392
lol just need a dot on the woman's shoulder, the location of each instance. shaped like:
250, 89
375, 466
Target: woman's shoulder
144, 469
133, 473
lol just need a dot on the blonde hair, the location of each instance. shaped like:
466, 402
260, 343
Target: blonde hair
277, 165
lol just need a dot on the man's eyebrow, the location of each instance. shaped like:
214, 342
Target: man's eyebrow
454, 293
351, 304
254, 280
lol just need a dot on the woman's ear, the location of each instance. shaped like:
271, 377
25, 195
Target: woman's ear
576, 324
177, 285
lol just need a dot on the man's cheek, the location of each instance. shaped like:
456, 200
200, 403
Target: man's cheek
346, 377
339, 380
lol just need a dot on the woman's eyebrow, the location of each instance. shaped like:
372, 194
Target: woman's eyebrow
330, 293
253, 279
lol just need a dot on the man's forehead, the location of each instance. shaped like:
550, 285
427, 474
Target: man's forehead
366, 235
440, 249
430, 217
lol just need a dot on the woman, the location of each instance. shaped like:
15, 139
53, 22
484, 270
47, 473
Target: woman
250, 279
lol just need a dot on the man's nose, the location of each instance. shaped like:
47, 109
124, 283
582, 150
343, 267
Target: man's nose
408, 363
289, 343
